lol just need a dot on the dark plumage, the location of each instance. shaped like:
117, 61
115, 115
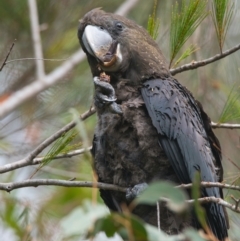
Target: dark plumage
154, 129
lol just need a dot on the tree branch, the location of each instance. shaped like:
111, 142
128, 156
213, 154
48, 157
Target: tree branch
225, 125
43, 59
197, 64
236, 201
38, 160
126, 7
6, 58
211, 184
53, 182
31, 90
32, 158
36, 37
27, 161
216, 200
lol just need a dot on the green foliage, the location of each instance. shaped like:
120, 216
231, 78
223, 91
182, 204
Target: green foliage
132, 228
231, 109
15, 215
191, 234
88, 213
153, 23
199, 211
222, 14
186, 53
59, 213
126, 226
61, 146
175, 197
184, 22
80, 127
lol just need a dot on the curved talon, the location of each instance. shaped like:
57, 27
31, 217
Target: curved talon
105, 98
115, 108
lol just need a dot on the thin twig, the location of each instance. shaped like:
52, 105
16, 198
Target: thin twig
32, 158
64, 173
216, 200
126, 7
158, 215
39, 160
54, 182
36, 37
43, 59
236, 201
225, 125
37, 86
211, 184
197, 64
27, 161
219, 201
5, 60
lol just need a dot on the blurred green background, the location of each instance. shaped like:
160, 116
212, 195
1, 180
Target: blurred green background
55, 213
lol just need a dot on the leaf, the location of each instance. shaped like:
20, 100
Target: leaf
199, 211
82, 218
231, 109
192, 234
123, 224
184, 22
157, 190
222, 15
157, 235
153, 23
154, 234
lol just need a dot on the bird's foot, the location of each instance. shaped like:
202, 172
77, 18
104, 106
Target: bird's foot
105, 96
132, 193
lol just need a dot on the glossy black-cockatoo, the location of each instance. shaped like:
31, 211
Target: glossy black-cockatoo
149, 126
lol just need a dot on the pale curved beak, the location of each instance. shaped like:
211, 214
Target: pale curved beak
97, 41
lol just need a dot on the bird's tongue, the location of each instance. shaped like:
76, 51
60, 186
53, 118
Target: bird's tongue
108, 57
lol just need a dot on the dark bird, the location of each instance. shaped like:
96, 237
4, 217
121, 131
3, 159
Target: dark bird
149, 126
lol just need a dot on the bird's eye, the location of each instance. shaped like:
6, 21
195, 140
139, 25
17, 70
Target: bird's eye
101, 27
119, 26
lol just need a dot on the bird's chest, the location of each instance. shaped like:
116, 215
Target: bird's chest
127, 148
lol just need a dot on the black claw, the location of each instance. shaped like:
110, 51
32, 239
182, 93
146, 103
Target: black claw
115, 108
105, 96
132, 193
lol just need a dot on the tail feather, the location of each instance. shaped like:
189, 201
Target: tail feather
216, 220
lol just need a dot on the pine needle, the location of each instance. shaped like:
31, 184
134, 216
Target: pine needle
222, 15
184, 22
185, 54
153, 23
231, 109
61, 146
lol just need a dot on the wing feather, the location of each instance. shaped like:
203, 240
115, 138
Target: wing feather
182, 135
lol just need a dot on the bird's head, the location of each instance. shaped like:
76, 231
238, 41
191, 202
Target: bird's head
119, 46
